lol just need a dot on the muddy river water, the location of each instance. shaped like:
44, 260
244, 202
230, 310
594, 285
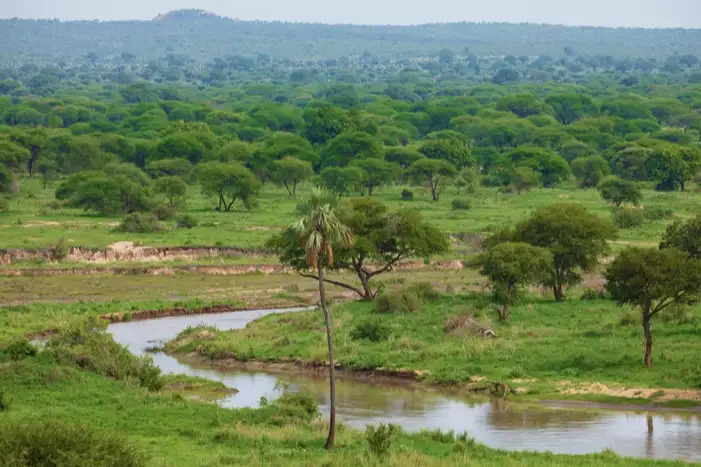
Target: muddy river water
497, 423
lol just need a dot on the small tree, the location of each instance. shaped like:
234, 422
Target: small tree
617, 191
173, 188
509, 266
229, 183
576, 238
433, 173
523, 179
590, 170
375, 173
341, 180
290, 172
684, 236
653, 280
318, 231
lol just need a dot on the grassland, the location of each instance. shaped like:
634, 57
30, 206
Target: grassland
31, 223
547, 349
168, 429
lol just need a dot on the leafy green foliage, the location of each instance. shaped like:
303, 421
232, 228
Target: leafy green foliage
379, 438
140, 222
627, 218
684, 236
372, 330
228, 183
617, 191
460, 204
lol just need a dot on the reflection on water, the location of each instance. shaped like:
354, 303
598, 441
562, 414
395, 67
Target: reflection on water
495, 422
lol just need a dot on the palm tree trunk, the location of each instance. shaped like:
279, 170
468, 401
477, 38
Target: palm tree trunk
332, 382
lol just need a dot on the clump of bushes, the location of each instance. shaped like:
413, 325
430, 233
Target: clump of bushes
60, 250
626, 218
163, 212
460, 204
140, 222
373, 330
406, 300
297, 405
186, 221
379, 438
656, 214
19, 350
50, 442
89, 347
407, 195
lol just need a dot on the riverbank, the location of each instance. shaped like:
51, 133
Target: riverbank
580, 349
168, 429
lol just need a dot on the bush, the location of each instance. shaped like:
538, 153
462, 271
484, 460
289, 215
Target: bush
140, 223
186, 221
4, 402
374, 331
60, 250
55, 204
628, 218
163, 212
379, 438
425, 291
593, 294
460, 204
4, 204
298, 405
89, 347
656, 214
50, 442
19, 350
407, 195
402, 301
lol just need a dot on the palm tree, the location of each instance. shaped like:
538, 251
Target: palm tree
317, 231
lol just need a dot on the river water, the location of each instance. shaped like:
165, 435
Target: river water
496, 422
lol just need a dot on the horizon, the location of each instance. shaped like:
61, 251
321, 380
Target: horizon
630, 14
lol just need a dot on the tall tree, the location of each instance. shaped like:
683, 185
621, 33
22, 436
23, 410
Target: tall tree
290, 172
432, 173
653, 280
319, 230
229, 183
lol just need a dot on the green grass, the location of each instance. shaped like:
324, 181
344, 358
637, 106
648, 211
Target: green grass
31, 224
578, 341
170, 430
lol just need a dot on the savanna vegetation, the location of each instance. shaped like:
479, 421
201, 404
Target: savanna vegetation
516, 204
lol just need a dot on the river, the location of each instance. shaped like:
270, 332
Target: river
495, 422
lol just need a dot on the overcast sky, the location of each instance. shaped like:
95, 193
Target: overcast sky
644, 13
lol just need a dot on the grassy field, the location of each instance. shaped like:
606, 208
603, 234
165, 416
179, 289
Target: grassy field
169, 430
542, 345
30, 223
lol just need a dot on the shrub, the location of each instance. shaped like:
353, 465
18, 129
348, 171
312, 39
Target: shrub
140, 223
656, 214
298, 405
593, 294
186, 221
407, 195
379, 438
4, 204
163, 212
628, 218
55, 204
19, 350
374, 331
89, 347
50, 442
60, 250
402, 301
4, 402
460, 204
424, 291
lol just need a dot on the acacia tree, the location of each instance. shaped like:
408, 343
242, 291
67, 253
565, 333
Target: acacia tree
375, 173
434, 173
173, 188
229, 183
653, 280
510, 266
576, 238
684, 236
382, 237
290, 172
618, 191
318, 231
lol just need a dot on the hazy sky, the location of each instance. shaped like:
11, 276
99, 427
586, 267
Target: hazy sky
645, 13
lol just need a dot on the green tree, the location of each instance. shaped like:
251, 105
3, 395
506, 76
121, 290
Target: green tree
290, 172
523, 105
435, 174
173, 188
509, 266
350, 146
653, 280
99, 193
402, 156
341, 180
180, 145
617, 191
553, 169
13, 156
576, 237
570, 107
684, 236
451, 150
376, 173
228, 183
523, 179
170, 167
674, 166
319, 231
590, 170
